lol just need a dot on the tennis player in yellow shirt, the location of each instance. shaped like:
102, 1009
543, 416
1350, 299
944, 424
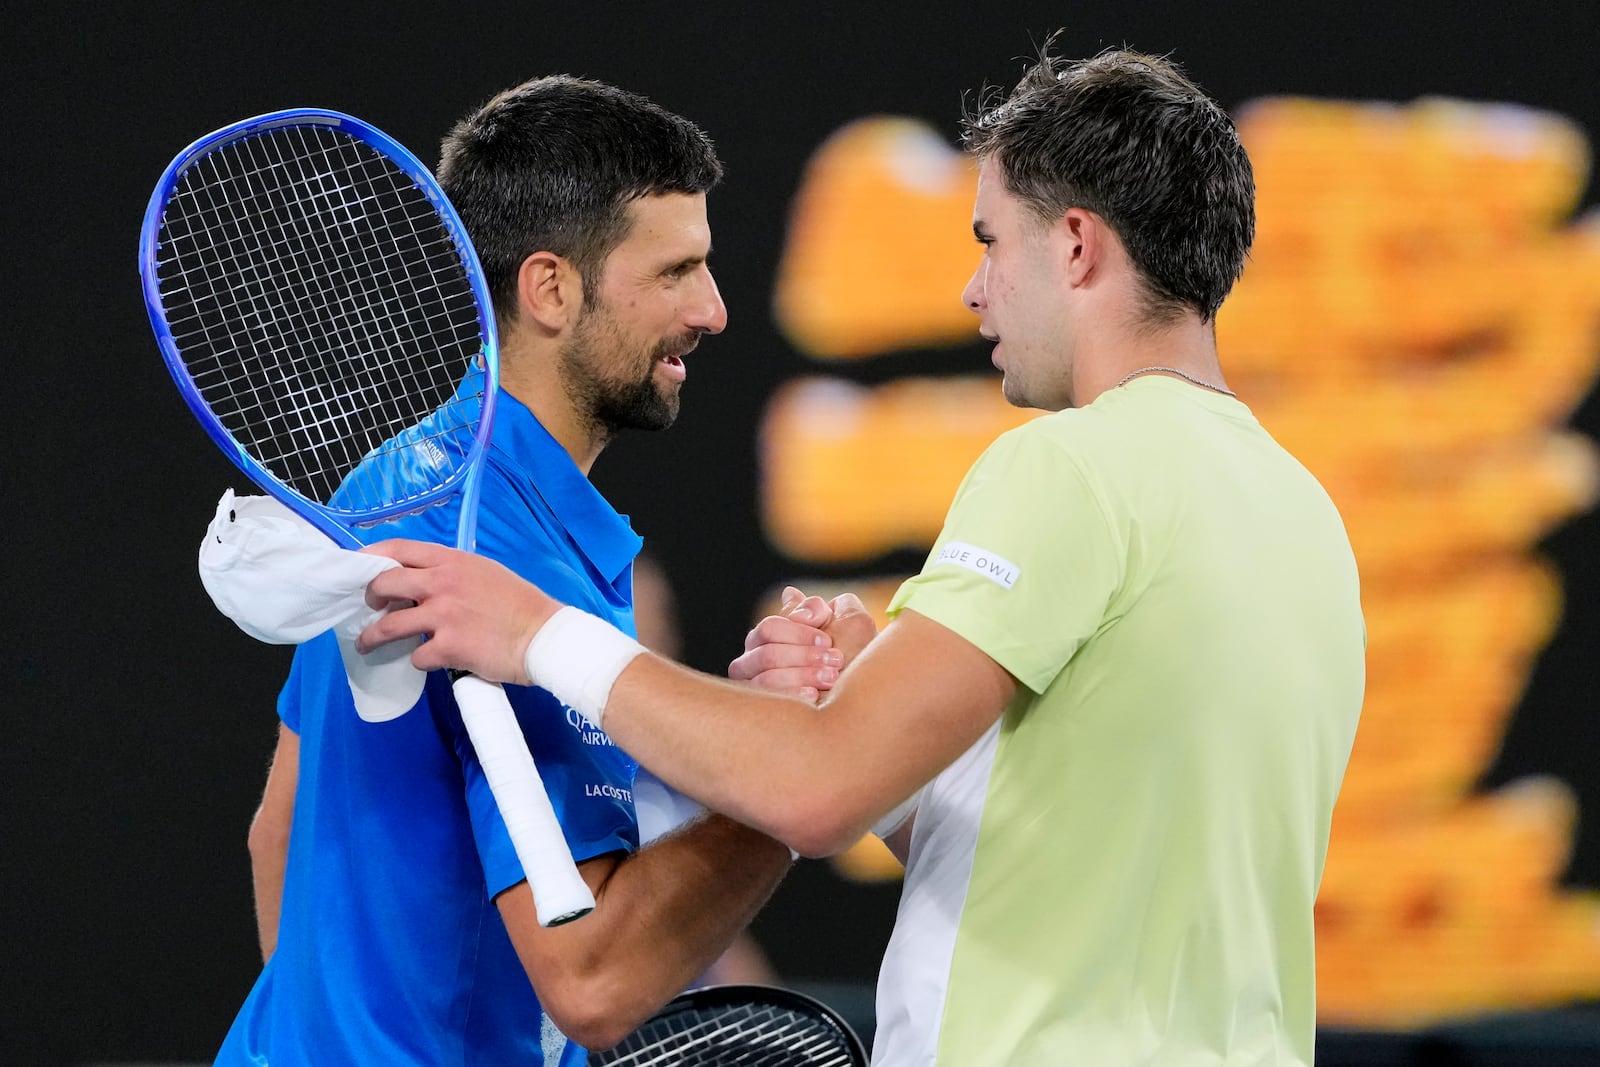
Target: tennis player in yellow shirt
1108, 720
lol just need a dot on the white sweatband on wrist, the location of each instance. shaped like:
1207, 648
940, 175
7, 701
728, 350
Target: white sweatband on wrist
578, 657
898, 815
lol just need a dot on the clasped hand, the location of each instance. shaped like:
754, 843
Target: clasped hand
803, 649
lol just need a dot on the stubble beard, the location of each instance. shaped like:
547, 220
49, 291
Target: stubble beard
638, 403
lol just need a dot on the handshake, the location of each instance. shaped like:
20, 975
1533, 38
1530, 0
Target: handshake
802, 649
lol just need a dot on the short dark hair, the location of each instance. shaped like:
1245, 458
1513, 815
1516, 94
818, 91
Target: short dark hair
552, 164
1130, 138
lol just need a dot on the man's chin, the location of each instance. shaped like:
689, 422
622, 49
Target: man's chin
1017, 397
665, 411
658, 414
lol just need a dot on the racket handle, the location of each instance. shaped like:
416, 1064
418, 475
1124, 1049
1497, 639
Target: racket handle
559, 892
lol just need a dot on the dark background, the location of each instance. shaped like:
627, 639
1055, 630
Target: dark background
140, 720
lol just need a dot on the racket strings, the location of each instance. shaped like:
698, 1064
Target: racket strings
321, 308
330, 409
736, 1036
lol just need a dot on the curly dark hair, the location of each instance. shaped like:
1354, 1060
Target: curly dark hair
1130, 138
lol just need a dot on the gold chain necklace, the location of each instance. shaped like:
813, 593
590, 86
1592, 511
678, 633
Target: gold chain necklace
1174, 370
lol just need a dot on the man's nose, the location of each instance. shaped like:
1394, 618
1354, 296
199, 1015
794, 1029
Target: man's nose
973, 294
709, 314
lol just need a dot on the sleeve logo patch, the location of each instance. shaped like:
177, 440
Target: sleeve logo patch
997, 569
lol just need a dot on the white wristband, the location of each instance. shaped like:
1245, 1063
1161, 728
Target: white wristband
577, 657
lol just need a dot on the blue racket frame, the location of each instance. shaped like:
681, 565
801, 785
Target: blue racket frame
330, 520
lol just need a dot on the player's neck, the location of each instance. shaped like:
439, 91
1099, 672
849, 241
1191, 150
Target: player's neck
543, 392
1188, 346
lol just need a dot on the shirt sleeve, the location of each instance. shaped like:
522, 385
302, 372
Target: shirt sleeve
589, 782
588, 778
1027, 564
306, 682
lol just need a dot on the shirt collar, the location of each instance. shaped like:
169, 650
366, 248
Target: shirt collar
604, 537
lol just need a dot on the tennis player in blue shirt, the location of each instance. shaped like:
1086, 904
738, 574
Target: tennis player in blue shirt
393, 915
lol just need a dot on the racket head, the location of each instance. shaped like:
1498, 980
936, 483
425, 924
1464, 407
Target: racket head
321, 308
739, 1026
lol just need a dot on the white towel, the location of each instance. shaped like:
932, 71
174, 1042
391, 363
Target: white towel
284, 582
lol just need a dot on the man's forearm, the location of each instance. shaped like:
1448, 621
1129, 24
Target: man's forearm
661, 918
918, 696
686, 897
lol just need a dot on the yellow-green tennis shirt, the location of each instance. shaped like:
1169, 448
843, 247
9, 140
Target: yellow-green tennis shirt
1123, 870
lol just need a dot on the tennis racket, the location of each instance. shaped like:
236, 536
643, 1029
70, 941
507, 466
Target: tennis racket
324, 315
739, 1026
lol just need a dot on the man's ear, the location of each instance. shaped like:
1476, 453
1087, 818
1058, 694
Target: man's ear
549, 291
1081, 238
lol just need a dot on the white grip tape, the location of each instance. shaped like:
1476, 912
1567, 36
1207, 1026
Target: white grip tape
577, 657
559, 891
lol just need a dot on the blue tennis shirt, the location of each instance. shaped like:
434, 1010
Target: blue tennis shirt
390, 948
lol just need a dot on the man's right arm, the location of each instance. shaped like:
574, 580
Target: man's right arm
661, 917
269, 838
